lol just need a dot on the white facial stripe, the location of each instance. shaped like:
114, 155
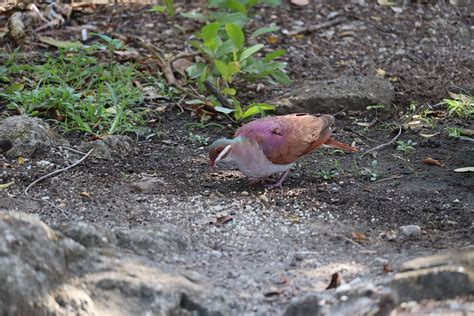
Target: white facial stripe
223, 153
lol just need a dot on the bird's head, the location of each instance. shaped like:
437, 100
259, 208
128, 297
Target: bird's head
220, 150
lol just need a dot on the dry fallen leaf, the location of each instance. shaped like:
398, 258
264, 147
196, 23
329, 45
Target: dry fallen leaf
379, 72
467, 131
335, 281
6, 185
386, 267
433, 162
181, 64
221, 220
85, 194
300, 2
271, 39
274, 291
359, 236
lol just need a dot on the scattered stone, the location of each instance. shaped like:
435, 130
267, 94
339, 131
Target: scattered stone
148, 185
43, 272
112, 146
435, 277
410, 231
304, 305
25, 136
244, 193
331, 96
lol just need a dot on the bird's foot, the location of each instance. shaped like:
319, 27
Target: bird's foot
278, 184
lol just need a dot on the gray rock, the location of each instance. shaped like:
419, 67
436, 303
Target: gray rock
436, 277
42, 272
25, 136
162, 240
33, 261
112, 146
88, 235
330, 96
410, 231
304, 305
148, 185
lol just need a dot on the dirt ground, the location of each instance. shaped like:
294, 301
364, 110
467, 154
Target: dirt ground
280, 243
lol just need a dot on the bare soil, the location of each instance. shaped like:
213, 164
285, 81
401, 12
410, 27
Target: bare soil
280, 243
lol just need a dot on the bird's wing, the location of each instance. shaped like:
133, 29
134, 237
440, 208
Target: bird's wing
286, 138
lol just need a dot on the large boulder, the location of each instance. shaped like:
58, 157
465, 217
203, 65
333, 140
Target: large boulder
25, 136
45, 272
330, 96
436, 277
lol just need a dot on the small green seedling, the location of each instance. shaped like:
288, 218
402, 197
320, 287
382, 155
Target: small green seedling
371, 172
331, 173
454, 132
461, 105
405, 147
199, 139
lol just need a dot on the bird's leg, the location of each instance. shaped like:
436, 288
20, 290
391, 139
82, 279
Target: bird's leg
279, 182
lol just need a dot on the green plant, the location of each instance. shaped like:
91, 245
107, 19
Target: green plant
460, 105
78, 91
371, 172
454, 132
227, 59
405, 147
334, 171
199, 139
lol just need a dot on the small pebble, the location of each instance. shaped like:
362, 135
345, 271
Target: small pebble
410, 231
244, 193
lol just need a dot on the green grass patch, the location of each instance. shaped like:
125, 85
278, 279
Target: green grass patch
77, 90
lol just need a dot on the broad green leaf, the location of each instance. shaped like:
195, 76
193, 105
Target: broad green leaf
170, 7
225, 48
209, 31
273, 55
235, 5
224, 110
236, 34
237, 18
250, 51
272, 2
60, 44
222, 68
257, 108
264, 30
229, 91
194, 15
157, 8
281, 77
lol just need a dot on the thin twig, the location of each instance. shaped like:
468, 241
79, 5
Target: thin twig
73, 150
222, 100
388, 179
317, 27
363, 136
384, 145
349, 240
46, 176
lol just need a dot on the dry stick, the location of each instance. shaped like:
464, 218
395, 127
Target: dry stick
384, 145
317, 27
50, 175
222, 100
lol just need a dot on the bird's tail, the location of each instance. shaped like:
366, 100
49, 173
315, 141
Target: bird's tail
336, 144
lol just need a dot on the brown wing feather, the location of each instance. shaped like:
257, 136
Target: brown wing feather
286, 138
